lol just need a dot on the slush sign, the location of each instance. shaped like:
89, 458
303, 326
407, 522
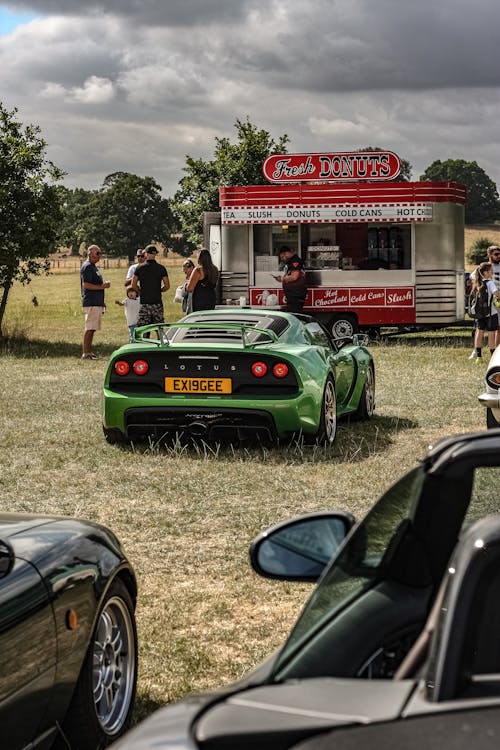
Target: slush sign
342, 166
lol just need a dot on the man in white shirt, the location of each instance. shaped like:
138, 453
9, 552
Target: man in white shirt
140, 258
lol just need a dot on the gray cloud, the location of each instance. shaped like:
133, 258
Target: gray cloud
138, 85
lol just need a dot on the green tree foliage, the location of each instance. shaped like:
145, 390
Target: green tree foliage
406, 167
483, 206
476, 254
29, 204
77, 206
126, 213
237, 163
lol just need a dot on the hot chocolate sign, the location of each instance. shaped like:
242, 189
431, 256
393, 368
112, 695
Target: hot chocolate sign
342, 166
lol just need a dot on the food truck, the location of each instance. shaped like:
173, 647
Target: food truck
377, 251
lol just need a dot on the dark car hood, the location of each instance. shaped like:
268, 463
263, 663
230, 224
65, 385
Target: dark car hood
37, 538
16, 523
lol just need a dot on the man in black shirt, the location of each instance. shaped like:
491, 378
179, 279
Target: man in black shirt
293, 280
153, 280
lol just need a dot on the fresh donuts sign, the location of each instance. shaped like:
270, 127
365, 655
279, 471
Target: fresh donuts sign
342, 166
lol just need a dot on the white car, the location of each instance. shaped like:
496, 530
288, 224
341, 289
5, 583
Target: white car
491, 397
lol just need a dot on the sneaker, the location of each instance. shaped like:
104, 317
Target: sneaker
89, 356
475, 355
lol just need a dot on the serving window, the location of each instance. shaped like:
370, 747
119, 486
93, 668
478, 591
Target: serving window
349, 247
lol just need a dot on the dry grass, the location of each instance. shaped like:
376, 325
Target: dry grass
186, 516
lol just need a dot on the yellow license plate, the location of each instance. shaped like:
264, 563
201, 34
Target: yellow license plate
203, 386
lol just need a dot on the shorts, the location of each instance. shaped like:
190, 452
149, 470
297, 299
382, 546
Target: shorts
488, 324
149, 314
93, 317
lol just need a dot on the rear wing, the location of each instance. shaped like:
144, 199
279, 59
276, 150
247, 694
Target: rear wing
200, 333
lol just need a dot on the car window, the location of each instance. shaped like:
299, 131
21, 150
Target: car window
485, 498
318, 335
357, 562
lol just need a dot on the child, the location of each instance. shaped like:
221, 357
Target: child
483, 275
131, 303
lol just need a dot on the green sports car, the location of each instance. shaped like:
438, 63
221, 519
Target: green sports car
232, 374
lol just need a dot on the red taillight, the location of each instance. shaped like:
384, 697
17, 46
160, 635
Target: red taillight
280, 370
140, 367
259, 369
122, 367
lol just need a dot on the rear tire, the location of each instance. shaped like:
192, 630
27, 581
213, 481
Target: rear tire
114, 436
327, 429
103, 700
366, 406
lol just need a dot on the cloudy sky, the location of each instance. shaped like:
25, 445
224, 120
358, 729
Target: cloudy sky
136, 85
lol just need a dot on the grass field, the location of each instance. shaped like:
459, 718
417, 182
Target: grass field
186, 516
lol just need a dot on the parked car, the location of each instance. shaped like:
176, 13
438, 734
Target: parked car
490, 398
398, 645
232, 374
68, 641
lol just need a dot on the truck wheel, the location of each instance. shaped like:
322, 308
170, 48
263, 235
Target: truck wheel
343, 325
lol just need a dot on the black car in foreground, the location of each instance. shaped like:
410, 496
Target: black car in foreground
399, 644
68, 639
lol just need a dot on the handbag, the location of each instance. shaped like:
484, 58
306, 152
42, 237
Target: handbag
180, 293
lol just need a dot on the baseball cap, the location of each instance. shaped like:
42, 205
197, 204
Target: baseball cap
151, 249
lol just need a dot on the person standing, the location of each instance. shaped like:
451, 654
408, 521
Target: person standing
494, 258
203, 283
131, 305
483, 278
181, 293
140, 258
293, 280
152, 278
92, 286
493, 252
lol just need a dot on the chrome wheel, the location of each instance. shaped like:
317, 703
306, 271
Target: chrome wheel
369, 393
329, 417
113, 665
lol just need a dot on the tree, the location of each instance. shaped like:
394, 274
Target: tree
406, 167
476, 254
29, 204
75, 210
237, 163
126, 213
483, 206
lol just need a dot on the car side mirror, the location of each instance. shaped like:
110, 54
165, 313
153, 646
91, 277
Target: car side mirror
361, 339
299, 549
6, 558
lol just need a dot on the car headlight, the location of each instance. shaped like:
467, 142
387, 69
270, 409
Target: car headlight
493, 377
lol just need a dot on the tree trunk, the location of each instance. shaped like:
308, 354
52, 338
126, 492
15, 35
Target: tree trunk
3, 302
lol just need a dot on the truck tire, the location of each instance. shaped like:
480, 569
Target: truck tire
343, 325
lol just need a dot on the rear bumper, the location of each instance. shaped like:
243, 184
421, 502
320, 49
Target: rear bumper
232, 425
210, 418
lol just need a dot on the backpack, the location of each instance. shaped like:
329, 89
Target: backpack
479, 302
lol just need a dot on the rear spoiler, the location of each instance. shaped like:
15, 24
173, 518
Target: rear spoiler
163, 329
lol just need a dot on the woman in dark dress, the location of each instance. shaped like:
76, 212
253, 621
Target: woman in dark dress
203, 282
